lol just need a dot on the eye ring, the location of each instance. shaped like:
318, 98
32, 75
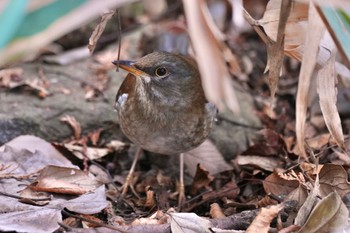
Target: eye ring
161, 72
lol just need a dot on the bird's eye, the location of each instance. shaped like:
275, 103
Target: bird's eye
161, 72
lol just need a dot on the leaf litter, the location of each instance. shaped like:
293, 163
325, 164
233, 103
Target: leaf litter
259, 189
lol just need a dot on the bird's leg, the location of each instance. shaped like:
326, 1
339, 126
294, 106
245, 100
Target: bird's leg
181, 188
128, 181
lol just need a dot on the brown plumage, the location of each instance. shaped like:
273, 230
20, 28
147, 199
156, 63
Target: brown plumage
161, 104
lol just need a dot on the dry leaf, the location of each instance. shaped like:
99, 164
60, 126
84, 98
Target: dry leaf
329, 215
150, 199
208, 156
91, 153
10, 77
64, 180
313, 38
333, 178
201, 179
262, 221
208, 49
279, 186
308, 205
189, 223
117, 146
327, 91
96, 34
265, 163
216, 211
230, 191
299, 194
72, 122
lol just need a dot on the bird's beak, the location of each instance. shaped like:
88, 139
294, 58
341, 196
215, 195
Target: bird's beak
129, 66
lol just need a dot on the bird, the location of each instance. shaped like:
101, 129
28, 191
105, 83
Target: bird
162, 108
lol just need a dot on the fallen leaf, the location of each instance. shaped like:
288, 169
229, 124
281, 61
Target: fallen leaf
201, 179
268, 164
333, 178
262, 221
308, 205
275, 184
329, 215
208, 156
65, 180
189, 223
91, 153
10, 77
216, 212
74, 124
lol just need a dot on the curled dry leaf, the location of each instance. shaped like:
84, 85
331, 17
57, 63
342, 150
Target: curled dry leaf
74, 124
313, 39
208, 49
216, 211
329, 215
327, 92
96, 34
10, 77
308, 205
262, 221
64, 180
265, 163
117, 146
201, 179
91, 153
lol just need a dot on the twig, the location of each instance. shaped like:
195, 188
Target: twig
19, 197
93, 222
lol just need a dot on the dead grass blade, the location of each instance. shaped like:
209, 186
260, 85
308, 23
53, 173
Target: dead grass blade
208, 49
275, 50
313, 37
327, 91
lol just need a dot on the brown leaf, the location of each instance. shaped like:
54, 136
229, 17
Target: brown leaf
279, 186
216, 211
313, 38
329, 215
64, 180
266, 143
262, 221
308, 205
208, 50
327, 91
189, 222
96, 34
333, 178
10, 77
201, 179
74, 124
267, 164
91, 153
208, 156
230, 190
